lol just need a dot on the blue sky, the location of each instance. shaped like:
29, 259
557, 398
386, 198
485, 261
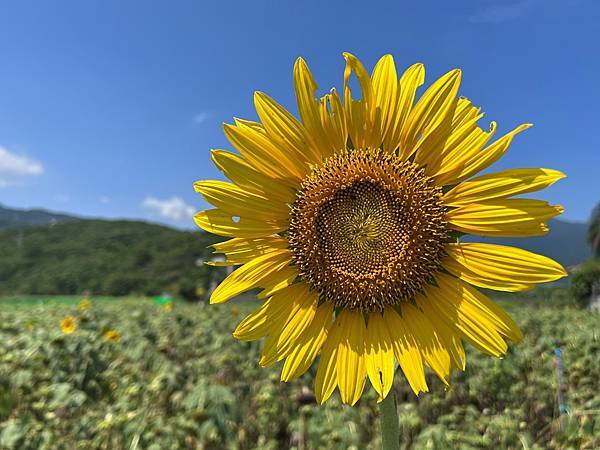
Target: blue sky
110, 108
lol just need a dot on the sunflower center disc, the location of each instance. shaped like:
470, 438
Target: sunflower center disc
367, 230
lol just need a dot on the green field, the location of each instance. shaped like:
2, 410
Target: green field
178, 380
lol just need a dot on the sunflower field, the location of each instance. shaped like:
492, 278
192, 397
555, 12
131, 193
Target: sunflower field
129, 373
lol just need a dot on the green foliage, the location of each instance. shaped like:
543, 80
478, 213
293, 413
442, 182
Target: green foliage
107, 258
178, 380
584, 278
593, 235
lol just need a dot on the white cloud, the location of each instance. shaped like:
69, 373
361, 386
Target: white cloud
201, 117
504, 11
13, 167
173, 208
104, 199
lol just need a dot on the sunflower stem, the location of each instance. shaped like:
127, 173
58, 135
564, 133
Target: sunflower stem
390, 428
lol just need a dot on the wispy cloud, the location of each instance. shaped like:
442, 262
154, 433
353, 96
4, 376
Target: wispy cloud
14, 167
504, 11
201, 117
104, 199
173, 208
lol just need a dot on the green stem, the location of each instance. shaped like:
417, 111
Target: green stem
390, 428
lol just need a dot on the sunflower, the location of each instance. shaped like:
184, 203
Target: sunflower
112, 336
68, 325
350, 221
85, 303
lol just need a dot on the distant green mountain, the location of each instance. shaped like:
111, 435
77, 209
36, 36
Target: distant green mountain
10, 218
106, 257
566, 242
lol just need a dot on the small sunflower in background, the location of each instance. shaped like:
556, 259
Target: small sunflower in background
112, 336
350, 222
168, 307
85, 303
68, 325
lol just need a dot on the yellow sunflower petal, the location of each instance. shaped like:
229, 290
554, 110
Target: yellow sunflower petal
434, 141
470, 303
286, 131
431, 344
446, 302
326, 377
221, 223
457, 134
465, 113
475, 160
241, 173
351, 367
360, 114
500, 185
306, 348
379, 356
504, 217
310, 109
450, 339
241, 250
266, 318
457, 151
385, 91
406, 350
500, 267
233, 199
354, 65
251, 275
410, 81
429, 113
253, 143
333, 120
483, 309
294, 325
285, 277
357, 122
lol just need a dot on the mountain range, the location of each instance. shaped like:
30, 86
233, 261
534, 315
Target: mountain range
43, 253
10, 218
